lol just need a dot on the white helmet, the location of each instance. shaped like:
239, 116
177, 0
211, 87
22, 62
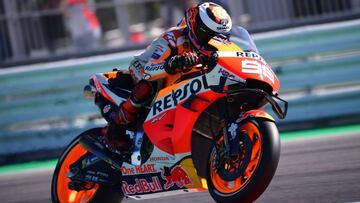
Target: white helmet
206, 20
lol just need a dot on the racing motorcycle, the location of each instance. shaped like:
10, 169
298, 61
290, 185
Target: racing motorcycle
206, 132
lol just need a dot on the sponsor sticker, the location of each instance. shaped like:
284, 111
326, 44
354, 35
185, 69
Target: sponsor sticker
158, 118
160, 49
178, 177
152, 159
137, 65
172, 99
154, 67
142, 186
106, 108
223, 28
155, 55
249, 54
145, 168
226, 73
232, 130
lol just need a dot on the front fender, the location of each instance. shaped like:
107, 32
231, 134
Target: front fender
256, 114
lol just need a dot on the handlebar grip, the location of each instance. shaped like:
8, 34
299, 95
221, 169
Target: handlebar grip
209, 60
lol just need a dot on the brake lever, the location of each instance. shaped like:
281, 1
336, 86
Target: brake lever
207, 63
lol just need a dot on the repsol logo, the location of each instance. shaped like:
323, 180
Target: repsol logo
249, 54
154, 67
171, 100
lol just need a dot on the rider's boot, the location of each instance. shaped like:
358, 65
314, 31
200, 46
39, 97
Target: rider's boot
126, 114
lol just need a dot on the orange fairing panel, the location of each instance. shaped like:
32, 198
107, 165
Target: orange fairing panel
224, 46
257, 113
249, 65
101, 82
100, 88
176, 124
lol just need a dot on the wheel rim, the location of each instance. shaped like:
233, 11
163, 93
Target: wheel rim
228, 187
63, 192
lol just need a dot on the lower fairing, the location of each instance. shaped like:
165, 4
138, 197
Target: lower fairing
161, 175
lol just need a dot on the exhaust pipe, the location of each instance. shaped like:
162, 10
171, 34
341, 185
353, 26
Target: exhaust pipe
94, 146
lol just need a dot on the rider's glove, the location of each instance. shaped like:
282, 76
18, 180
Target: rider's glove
210, 61
181, 63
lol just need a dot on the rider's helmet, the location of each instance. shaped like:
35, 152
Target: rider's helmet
206, 20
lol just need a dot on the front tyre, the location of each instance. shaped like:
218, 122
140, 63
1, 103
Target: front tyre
60, 191
256, 164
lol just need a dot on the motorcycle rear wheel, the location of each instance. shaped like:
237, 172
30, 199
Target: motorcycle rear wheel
259, 168
60, 193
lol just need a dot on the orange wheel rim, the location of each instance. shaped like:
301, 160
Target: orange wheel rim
63, 192
228, 187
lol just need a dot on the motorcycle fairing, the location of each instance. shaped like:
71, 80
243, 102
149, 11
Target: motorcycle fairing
244, 63
249, 66
170, 128
255, 113
167, 177
169, 125
102, 85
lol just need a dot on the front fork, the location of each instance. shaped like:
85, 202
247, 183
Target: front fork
230, 132
233, 148
231, 138
231, 154
229, 151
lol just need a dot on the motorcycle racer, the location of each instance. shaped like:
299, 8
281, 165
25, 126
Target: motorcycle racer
168, 59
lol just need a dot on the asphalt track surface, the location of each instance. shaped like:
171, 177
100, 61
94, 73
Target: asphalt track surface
320, 170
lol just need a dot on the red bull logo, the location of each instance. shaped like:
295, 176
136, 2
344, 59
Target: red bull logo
142, 186
178, 176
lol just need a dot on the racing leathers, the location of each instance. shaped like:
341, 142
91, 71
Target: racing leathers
165, 61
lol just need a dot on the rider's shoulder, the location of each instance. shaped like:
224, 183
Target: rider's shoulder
174, 31
173, 34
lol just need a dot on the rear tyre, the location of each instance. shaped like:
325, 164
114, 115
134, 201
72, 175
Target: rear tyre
60, 193
260, 147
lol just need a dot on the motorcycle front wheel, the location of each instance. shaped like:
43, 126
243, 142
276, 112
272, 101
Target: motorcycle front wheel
245, 178
60, 192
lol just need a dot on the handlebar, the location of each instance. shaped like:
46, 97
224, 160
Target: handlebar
206, 62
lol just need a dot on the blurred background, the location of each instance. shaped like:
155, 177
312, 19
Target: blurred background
49, 49
35, 30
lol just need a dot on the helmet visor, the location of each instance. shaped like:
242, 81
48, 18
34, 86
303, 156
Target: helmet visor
199, 37
203, 35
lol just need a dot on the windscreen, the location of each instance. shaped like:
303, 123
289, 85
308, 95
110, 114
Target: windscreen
241, 37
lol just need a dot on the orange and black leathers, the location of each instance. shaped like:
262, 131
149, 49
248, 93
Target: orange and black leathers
152, 64
164, 61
